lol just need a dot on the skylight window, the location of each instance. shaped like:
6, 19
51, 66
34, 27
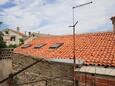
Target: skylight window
56, 45
39, 46
26, 46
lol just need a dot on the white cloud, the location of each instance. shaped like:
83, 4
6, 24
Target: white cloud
29, 15
3, 1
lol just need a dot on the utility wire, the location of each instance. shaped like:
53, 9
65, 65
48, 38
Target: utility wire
22, 70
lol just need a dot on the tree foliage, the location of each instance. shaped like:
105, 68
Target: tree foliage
21, 41
2, 43
12, 46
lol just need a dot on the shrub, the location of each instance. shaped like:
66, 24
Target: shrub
12, 46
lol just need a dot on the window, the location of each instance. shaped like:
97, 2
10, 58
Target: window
33, 35
26, 46
39, 46
6, 32
56, 45
13, 38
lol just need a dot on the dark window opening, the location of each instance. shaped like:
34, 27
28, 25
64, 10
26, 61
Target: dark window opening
39, 46
55, 46
7, 32
26, 45
33, 35
13, 38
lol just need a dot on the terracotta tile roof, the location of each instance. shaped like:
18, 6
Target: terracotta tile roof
96, 48
113, 17
18, 32
38, 35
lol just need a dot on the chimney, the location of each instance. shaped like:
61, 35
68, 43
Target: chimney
38, 32
18, 29
113, 22
29, 33
25, 32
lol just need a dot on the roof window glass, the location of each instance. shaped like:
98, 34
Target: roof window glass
26, 45
56, 45
39, 46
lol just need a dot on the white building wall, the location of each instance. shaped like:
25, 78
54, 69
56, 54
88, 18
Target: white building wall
8, 36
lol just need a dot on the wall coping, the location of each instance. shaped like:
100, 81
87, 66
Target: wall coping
98, 70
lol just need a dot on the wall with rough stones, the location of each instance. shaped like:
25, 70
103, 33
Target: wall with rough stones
42, 70
5, 70
5, 64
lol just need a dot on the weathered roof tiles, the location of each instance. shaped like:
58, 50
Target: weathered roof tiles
96, 48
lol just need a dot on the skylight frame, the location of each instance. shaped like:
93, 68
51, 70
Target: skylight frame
38, 46
26, 45
56, 46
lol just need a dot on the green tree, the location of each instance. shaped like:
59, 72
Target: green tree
21, 41
2, 43
12, 46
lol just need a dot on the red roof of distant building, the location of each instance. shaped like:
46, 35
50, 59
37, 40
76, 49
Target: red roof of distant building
113, 17
18, 32
98, 48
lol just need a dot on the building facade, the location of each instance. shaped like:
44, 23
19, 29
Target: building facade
12, 37
94, 52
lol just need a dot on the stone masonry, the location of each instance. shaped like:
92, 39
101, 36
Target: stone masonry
43, 70
5, 65
54, 74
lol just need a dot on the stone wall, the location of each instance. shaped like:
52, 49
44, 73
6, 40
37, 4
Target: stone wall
5, 65
5, 70
43, 71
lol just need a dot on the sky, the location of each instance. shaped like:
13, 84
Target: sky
54, 16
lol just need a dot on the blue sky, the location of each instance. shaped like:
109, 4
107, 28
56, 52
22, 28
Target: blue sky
7, 5
54, 16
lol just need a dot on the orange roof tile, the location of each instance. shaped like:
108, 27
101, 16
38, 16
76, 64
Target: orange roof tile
18, 32
113, 17
96, 48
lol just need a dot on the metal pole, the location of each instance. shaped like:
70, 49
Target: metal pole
83, 4
74, 60
74, 57
74, 66
95, 75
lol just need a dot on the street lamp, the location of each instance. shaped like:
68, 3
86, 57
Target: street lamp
74, 59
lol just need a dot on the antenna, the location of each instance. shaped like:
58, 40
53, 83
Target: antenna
74, 57
74, 24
